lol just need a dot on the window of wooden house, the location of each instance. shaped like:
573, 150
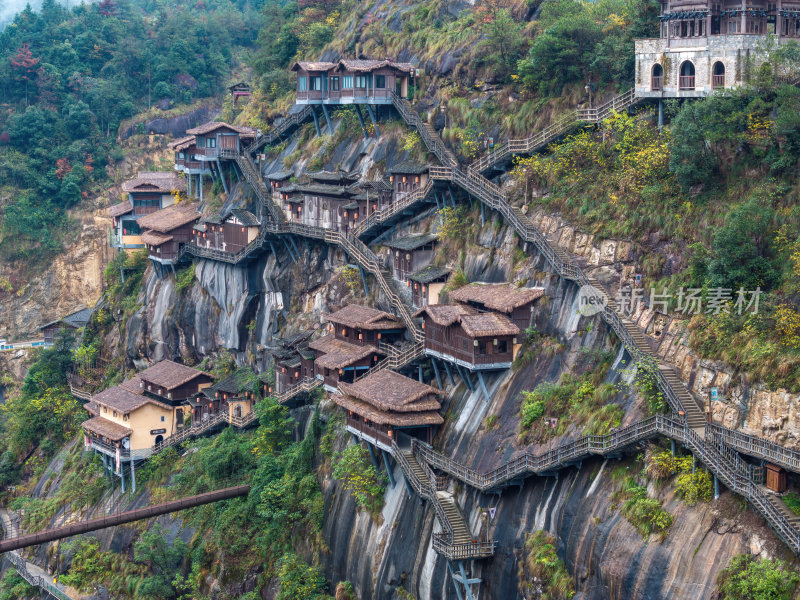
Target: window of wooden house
481, 347
211, 142
361, 81
463, 343
130, 228
316, 84
347, 82
301, 84
502, 346
334, 83
380, 81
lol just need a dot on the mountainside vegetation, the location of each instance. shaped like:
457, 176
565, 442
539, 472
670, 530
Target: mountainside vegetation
70, 76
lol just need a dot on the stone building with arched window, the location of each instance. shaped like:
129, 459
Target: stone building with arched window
709, 45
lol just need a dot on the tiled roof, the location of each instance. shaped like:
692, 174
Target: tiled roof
502, 297
408, 167
280, 175
107, 429
153, 238
240, 381
333, 176
489, 323
338, 353
245, 217
169, 375
413, 241
364, 317
163, 182
320, 189
169, 218
430, 274
134, 384
122, 208
76, 320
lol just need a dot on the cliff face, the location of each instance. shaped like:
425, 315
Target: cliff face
602, 550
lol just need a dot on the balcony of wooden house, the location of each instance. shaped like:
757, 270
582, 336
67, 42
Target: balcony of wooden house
166, 231
410, 253
426, 284
352, 81
279, 180
340, 361
461, 335
235, 396
229, 234
218, 140
517, 303
363, 325
407, 177
384, 403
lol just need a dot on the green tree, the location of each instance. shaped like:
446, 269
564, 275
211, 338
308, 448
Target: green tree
741, 249
163, 559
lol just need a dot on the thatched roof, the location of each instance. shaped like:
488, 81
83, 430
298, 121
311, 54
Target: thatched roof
364, 317
474, 323
107, 429
123, 400
430, 274
123, 208
338, 354
172, 217
362, 66
306, 65
181, 143
170, 375
502, 297
398, 419
487, 324
412, 241
212, 126
445, 314
389, 390
153, 238
161, 182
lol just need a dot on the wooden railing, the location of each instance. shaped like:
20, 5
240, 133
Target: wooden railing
758, 447
274, 134
307, 384
384, 214
686, 82
432, 141
559, 127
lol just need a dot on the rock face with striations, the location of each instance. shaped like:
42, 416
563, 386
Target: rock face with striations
174, 126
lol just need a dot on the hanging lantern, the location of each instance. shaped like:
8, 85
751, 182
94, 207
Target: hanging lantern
423, 324
356, 216
283, 370
216, 395
424, 289
242, 229
345, 214
344, 332
408, 283
404, 178
297, 374
341, 371
390, 433
391, 178
360, 336
379, 335
416, 179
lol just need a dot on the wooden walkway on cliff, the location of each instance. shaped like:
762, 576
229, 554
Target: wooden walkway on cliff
687, 424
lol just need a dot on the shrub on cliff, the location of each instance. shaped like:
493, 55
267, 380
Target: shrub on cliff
749, 578
542, 574
352, 466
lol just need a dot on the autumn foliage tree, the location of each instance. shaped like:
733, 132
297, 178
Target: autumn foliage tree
25, 64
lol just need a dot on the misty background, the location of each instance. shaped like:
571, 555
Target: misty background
9, 8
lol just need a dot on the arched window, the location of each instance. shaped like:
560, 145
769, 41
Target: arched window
718, 75
657, 79
686, 77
